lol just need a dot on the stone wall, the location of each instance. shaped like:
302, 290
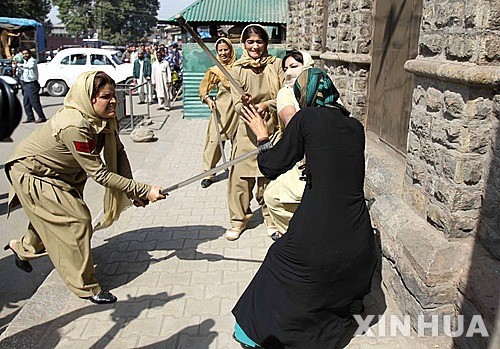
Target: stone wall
461, 30
451, 130
454, 120
304, 29
344, 46
453, 153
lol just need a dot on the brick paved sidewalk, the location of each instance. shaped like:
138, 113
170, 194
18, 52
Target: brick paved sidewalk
174, 274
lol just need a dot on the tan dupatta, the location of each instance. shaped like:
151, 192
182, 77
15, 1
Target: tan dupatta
78, 100
266, 61
215, 69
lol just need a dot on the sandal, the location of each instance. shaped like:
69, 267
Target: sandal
271, 230
277, 235
233, 233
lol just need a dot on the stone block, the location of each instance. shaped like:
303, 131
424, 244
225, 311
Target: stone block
415, 243
434, 100
490, 43
416, 170
464, 223
449, 15
494, 16
430, 45
463, 168
479, 109
397, 290
421, 122
431, 153
439, 216
416, 197
460, 48
477, 138
454, 105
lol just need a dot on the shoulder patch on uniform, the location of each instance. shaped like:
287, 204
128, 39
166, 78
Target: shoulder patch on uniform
84, 147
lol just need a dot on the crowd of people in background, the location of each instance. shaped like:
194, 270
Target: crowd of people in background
158, 65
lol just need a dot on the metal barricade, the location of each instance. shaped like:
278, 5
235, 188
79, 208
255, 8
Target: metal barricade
121, 91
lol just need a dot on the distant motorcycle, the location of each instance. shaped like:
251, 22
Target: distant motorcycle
7, 74
176, 82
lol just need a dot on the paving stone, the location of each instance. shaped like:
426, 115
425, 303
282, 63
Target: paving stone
173, 325
209, 277
225, 291
142, 327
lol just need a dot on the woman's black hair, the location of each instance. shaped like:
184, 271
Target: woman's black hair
101, 79
257, 30
295, 54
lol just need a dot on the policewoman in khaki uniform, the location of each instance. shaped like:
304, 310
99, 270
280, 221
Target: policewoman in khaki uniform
261, 76
224, 109
48, 172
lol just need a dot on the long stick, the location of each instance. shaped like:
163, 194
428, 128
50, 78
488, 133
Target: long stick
215, 114
177, 94
210, 172
194, 35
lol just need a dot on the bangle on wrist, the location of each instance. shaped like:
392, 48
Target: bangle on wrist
205, 98
263, 140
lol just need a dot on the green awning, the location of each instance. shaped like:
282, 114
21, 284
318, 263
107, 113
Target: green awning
235, 11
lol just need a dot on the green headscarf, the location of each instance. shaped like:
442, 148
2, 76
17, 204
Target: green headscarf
314, 88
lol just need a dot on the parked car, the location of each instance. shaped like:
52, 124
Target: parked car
60, 73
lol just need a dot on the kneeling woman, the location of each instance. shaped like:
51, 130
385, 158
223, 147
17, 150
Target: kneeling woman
48, 172
314, 278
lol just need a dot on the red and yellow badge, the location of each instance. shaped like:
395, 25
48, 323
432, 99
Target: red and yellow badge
85, 147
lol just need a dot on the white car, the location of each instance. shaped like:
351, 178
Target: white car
60, 73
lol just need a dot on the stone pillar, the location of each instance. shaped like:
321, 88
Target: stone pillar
453, 153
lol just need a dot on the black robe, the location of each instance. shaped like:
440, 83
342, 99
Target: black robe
304, 292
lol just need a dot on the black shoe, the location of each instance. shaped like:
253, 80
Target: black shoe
40, 121
206, 183
23, 265
28, 121
103, 297
141, 103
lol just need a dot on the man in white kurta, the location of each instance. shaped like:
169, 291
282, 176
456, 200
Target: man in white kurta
161, 78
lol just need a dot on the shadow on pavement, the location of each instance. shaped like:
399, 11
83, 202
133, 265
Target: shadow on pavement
49, 334
196, 336
18, 286
126, 256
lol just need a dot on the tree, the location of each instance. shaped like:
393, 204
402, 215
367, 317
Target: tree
32, 9
118, 21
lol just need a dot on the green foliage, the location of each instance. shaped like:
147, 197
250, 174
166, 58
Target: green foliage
32, 9
118, 21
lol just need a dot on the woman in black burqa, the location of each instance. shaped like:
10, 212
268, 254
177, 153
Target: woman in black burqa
313, 279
